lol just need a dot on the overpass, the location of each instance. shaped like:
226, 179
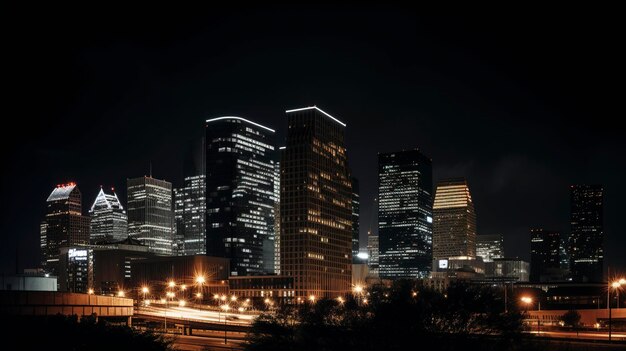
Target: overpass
49, 303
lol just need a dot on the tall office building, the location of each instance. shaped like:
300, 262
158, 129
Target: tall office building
64, 224
587, 233
316, 205
373, 252
108, 219
277, 214
489, 247
455, 220
150, 214
190, 215
564, 253
544, 253
240, 164
405, 214
355, 218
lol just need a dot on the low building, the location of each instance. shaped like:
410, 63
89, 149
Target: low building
156, 272
28, 282
507, 270
270, 286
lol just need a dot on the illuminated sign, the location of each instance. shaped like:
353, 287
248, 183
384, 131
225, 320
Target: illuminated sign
443, 264
429, 219
77, 254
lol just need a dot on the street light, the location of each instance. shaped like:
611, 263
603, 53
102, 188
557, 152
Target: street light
172, 284
527, 300
312, 298
90, 291
616, 286
121, 293
340, 300
145, 290
200, 280
225, 307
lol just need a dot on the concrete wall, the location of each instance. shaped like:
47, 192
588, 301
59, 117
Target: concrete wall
588, 317
28, 283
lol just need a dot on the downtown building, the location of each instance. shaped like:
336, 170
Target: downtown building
109, 222
545, 255
405, 217
240, 195
316, 205
373, 253
355, 219
489, 247
190, 215
454, 228
150, 214
587, 233
63, 226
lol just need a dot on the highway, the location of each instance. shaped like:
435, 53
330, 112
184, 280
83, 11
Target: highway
196, 315
619, 336
196, 343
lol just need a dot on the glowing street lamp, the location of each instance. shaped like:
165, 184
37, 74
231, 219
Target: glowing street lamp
198, 295
90, 291
121, 293
312, 298
240, 309
616, 285
182, 303
233, 298
172, 284
340, 300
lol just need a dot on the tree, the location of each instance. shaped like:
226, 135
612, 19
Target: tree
571, 318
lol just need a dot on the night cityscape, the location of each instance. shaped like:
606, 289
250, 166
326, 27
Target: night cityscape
313, 178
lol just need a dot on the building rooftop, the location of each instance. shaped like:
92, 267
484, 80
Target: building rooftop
61, 192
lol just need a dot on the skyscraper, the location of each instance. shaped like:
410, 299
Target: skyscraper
277, 213
316, 205
64, 224
489, 247
240, 166
587, 233
190, 214
455, 220
405, 214
355, 217
108, 219
373, 252
150, 214
544, 253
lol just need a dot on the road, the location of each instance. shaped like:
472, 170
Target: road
620, 336
197, 343
196, 315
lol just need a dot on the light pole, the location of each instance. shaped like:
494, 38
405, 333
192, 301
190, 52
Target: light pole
358, 290
145, 291
528, 301
200, 280
169, 295
615, 285
226, 308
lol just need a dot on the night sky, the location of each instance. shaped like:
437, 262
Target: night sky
522, 104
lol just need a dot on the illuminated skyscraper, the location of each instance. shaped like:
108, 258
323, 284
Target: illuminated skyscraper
544, 253
108, 219
277, 214
316, 205
240, 166
489, 247
64, 224
405, 219
150, 214
190, 214
373, 252
587, 233
355, 217
454, 229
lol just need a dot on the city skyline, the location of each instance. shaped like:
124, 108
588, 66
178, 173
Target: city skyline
392, 96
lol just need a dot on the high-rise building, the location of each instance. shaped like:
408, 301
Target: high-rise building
240, 166
587, 233
190, 215
108, 219
564, 254
150, 214
489, 247
544, 253
455, 220
64, 224
277, 214
373, 252
316, 205
355, 218
76, 269
405, 214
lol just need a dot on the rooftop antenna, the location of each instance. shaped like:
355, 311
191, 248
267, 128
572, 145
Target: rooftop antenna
150, 169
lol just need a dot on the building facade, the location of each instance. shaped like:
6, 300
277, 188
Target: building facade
109, 222
356, 208
240, 200
489, 247
405, 215
190, 215
316, 205
64, 225
587, 233
150, 214
454, 228
76, 269
545, 255
373, 252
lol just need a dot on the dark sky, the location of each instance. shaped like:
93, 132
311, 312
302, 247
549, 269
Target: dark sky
522, 104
